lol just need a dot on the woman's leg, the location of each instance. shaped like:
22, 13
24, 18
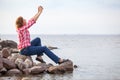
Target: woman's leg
36, 42
38, 50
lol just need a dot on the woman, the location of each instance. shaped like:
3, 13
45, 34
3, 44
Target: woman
34, 47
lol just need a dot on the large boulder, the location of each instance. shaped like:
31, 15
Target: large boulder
28, 62
20, 63
37, 69
5, 52
56, 70
8, 64
8, 43
13, 72
68, 66
62, 68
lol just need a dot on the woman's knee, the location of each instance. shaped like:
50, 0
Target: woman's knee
38, 40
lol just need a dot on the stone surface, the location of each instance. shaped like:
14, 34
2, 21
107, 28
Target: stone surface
8, 43
26, 71
1, 63
62, 68
8, 64
14, 72
37, 70
3, 71
20, 63
15, 50
68, 66
26, 78
28, 63
56, 70
5, 52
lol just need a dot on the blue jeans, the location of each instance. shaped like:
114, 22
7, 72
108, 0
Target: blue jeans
37, 49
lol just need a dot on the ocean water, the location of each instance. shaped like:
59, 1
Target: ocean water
97, 56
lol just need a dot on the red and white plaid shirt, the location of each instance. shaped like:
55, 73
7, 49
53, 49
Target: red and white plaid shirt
24, 35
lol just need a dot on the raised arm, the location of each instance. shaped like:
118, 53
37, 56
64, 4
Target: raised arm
40, 8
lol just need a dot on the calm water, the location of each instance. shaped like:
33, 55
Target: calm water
97, 57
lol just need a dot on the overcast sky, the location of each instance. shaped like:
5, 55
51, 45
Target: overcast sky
63, 16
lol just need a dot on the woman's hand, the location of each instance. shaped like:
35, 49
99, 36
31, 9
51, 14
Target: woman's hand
36, 16
40, 8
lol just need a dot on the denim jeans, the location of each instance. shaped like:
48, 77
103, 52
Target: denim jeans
37, 49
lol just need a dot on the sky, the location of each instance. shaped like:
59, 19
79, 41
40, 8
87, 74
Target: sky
63, 16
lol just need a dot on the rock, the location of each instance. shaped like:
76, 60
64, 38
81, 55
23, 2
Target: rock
23, 57
43, 65
68, 66
8, 64
28, 62
14, 72
62, 68
8, 43
0, 47
12, 58
1, 63
26, 78
15, 50
75, 66
37, 70
3, 71
56, 70
5, 52
20, 63
26, 71
0, 53
49, 65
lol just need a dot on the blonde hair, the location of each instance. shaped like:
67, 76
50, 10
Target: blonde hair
19, 22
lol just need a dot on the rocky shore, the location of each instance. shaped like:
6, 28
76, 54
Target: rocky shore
12, 63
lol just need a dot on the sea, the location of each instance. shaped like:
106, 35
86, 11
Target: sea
97, 56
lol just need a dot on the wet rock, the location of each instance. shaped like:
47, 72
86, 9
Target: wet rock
1, 63
8, 64
68, 66
62, 68
75, 66
37, 70
5, 52
8, 43
14, 72
56, 70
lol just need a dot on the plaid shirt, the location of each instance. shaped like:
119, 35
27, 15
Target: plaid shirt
24, 35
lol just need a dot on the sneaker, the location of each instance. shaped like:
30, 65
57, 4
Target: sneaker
41, 60
64, 60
